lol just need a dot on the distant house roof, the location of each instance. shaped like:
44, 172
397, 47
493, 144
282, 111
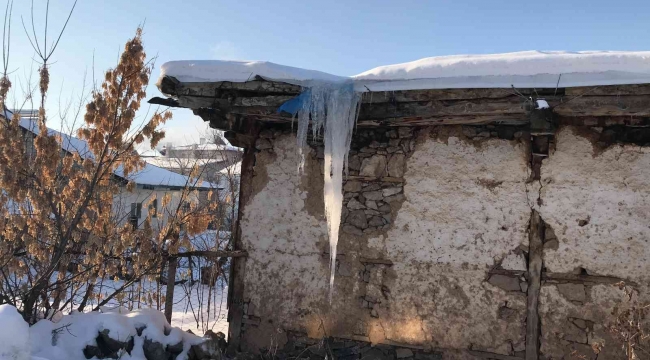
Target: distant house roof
207, 147
178, 162
148, 175
147, 152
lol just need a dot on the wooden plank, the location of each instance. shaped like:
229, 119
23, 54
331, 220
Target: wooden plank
212, 254
376, 261
602, 121
636, 105
371, 178
172, 87
512, 119
402, 345
513, 273
169, 294
536, 236
269, 103
580, 278
489, 355
377, 97
610, 90
519, 119
512, 105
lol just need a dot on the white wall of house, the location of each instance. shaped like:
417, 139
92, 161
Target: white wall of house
122, 204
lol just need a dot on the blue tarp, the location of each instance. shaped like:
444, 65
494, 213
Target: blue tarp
294, 105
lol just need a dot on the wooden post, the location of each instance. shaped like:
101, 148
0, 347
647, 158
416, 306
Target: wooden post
534, 284
236, 280
542, 129
169, 295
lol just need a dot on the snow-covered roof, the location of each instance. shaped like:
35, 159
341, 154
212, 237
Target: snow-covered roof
157, 176
69, 143
179, 163
207, 147
149, 175
234, 169
239, 71
526, 69
148, 152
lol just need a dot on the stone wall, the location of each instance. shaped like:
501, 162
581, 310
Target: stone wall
434, 239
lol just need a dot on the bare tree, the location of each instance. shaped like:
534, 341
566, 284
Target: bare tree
62, 241
220, 166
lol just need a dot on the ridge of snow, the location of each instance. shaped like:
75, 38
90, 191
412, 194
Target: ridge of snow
207, 147
240, 71
523, 63
542, 69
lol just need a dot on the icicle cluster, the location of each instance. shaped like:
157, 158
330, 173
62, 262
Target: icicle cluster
332, 109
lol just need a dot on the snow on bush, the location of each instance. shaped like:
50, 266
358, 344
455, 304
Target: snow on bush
76, 335
14, 334
116, 333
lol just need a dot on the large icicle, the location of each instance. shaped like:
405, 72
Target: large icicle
333, 108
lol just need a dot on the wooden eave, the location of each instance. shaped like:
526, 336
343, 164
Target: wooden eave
223, 103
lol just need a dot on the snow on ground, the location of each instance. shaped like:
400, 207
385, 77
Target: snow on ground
14, 335
188, 314
541, 69
196, 307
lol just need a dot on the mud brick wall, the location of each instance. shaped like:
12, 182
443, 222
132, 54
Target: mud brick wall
433, 254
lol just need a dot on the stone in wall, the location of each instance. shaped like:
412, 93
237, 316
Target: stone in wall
382, 156
573, 329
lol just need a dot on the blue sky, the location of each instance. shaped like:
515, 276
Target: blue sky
339, 37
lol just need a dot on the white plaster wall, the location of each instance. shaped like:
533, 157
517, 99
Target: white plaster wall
466, 208
122, 204
285, 268
451, 215
611, 191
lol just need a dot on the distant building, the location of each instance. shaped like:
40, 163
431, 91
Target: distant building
152, 182
219, 163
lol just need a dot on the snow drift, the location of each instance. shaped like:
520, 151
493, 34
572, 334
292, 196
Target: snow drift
134, 335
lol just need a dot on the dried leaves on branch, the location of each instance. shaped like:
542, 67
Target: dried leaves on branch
630, 325
60, 233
